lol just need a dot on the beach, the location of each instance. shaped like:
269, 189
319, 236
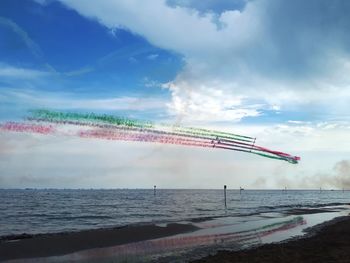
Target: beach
201, 241
329, 242
46, 245
172, 226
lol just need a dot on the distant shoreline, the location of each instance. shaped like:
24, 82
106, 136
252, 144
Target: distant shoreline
151, 189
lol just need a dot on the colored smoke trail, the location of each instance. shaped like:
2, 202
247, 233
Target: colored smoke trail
109, 127
92, 118
89, 117
112, 135
27, 127
211, 133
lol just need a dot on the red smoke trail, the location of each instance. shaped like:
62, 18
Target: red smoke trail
124, 136
27, 127
282, 154
255, 147
126, 133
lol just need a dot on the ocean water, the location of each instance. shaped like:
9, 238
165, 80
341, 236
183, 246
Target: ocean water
50, 211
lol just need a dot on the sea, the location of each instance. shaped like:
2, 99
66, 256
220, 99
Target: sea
39, 211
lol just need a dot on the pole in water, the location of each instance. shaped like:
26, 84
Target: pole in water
154, 189
225, 195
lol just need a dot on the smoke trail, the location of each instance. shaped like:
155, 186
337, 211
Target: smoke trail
117, 128
27, 127
87, 118
93, 119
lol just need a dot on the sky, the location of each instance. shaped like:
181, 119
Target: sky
271, 69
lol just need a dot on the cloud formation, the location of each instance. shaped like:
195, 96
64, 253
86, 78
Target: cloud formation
11, 72
279, 66
30, 44
291, 49
54, 100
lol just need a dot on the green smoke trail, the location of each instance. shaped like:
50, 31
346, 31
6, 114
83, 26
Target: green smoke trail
211, 133
218, 139
215, 133
276, 158
52, 116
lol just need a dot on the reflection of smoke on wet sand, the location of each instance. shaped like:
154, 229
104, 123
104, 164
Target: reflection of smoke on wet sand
170, 245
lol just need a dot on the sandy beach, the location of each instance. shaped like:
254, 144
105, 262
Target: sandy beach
17, 247
328, 242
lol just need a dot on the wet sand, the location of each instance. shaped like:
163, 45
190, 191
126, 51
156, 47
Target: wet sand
328, 242
27, 246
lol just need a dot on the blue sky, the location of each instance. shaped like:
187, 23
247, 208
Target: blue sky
276, 70
69, 54
76, 57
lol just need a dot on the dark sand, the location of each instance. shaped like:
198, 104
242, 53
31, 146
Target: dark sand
26, 246
328, 242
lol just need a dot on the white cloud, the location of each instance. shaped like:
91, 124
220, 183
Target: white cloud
152, 56
67, 101
150, 83
272, 55
7, 71
328, 137
32, 46
180, 29
189, 33
107, 165
207, 104
266, 52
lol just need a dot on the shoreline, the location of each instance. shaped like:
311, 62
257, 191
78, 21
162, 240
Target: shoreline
147, 240
47, 245
287, 210
326, 242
